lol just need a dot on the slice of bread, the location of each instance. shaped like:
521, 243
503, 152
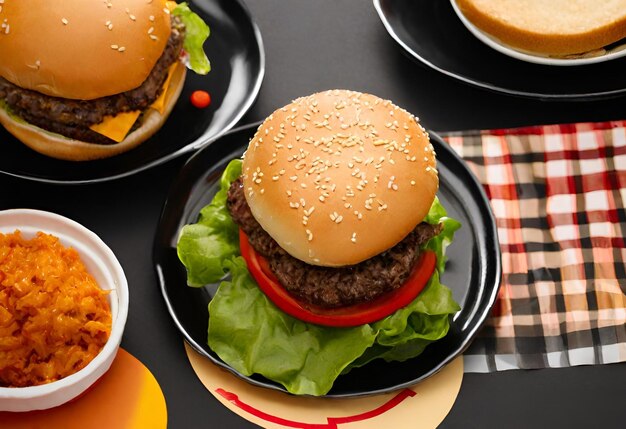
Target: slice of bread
549, 27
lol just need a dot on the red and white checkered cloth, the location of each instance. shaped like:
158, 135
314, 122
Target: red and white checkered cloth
559, 197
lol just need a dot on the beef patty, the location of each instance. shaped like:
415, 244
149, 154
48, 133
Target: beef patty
331, 287
72, 118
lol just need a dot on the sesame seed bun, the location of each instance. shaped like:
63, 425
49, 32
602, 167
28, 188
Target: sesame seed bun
57, 146
339, 176
549, 27
81, 49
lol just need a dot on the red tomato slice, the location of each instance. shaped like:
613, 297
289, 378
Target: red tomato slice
353, 315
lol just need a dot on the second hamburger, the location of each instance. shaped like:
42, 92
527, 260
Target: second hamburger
334, 213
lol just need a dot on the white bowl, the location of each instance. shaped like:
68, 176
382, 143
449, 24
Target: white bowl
529, 57
106, 270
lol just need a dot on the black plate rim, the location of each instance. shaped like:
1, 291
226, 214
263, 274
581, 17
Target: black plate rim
194, 146
478, 319
485, 85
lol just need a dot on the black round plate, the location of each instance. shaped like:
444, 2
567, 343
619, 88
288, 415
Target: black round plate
235, 49
472, 272
431, 32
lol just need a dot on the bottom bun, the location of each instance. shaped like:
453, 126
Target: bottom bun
57, 146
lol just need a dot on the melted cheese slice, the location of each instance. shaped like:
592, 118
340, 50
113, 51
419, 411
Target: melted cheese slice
159, 103
117, 127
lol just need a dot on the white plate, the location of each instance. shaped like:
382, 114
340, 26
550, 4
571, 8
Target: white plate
537, 59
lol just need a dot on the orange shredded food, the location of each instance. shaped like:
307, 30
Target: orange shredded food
54, 318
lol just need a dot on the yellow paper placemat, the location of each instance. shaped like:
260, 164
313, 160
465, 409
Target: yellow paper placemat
127, 396
422, 406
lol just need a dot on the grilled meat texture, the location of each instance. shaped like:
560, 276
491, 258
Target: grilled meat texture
72, 118
329, 287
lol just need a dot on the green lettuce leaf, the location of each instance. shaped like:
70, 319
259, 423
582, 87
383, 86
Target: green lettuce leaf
205, 247
406, 333
248, 332
251, 335
196, 34
4, 106
439, 243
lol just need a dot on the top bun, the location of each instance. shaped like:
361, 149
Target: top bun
339, 176
549, 27
81, 49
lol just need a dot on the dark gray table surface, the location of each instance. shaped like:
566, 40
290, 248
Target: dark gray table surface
312, 46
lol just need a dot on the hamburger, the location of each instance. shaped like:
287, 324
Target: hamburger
333, 237
555, 28
82, 80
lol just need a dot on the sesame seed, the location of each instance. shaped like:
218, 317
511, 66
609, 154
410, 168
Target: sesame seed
153, 37
309, 235
412, 182
65, 21
353, 238
151, 18
114, 47
121, 49
36, 66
